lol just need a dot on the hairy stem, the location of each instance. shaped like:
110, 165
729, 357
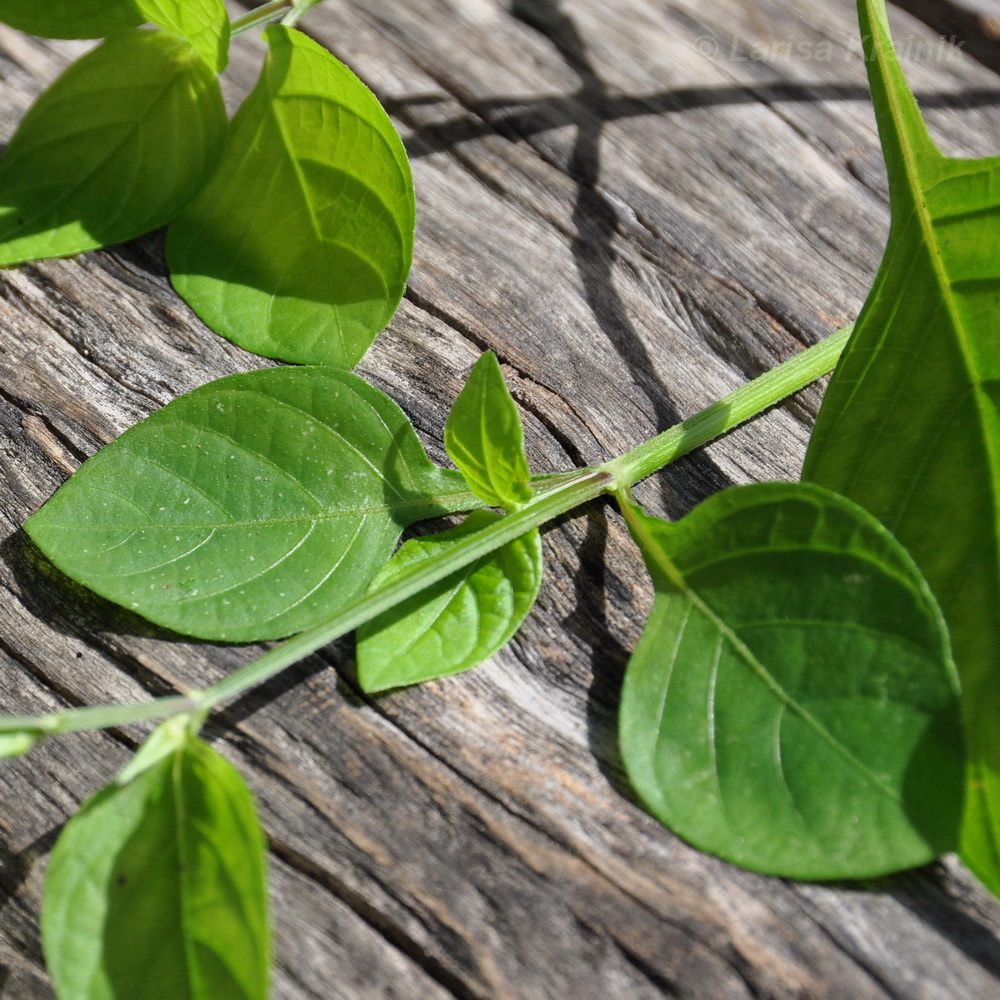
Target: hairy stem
555, 495
738, 407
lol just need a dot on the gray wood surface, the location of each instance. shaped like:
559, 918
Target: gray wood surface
637, 216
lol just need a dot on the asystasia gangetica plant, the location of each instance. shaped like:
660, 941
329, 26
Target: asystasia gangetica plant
793, 705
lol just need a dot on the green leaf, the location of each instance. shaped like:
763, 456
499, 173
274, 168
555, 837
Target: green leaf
909, 427
165, 740
457, 623
792, 705
16, 744
251, 508
300, 246
204, 23
485, 439
114, 148
70, 18
157, 888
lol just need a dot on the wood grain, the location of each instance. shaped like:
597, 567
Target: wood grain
635, 227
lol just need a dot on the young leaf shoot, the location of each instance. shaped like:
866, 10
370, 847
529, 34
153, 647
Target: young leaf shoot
485, 439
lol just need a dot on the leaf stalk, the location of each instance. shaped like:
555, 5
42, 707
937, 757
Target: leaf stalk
261, 16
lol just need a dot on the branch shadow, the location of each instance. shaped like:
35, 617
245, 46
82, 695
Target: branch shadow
525, 117
927, 895
595, 219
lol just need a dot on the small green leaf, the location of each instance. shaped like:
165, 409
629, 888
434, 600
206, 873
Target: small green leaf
70, 18
114, 148
166, 739
485, 439
16, 744
909, 426
792, 705
157, 888
250, 508
204, 23
457, 623
300, 246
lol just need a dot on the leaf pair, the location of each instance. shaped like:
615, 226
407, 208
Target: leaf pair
256, 506
467, 617
909, 427
157, 886
300, 245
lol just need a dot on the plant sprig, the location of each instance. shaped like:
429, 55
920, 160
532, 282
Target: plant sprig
789, 621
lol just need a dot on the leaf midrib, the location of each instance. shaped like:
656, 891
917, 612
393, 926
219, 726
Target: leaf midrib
444, 499
913, 174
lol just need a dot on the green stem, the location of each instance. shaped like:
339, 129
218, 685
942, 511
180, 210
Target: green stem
77, 720
415, 578
299, 9
554, 496
738, 407
266, 14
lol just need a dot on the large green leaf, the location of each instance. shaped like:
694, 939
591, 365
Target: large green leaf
909, 427
792, 705
204, 23
157, 888
248, 509
114, 148
457, 623
300, 246
485, 439
70, 18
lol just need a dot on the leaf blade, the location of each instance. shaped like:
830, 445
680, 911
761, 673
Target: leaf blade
484, 437
748, 706
70, 18
204, 23
157, 887
250, 508
86, 167
291, 176
909, 427
456, 624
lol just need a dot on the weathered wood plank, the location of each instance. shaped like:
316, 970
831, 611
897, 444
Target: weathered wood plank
635, 228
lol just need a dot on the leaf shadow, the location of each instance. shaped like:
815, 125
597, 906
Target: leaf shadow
597, 587
522, 117
933, 793
62, 603
927, 894
16, 866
